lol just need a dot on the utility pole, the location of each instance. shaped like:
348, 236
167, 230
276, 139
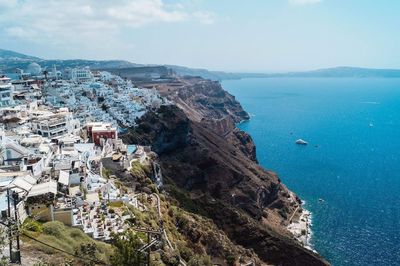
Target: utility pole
13, 227
9, 223
18, 253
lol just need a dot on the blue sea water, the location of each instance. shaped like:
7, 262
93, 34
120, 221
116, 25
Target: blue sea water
352, 161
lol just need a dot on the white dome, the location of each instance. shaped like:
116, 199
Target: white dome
34, 69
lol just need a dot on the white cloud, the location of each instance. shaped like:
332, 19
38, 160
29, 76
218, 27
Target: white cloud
204, 17
304, 2
88, 22
141, 12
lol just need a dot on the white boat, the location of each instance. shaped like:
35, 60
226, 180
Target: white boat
301, 142
371, 125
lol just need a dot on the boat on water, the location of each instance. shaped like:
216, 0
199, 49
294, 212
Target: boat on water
371, 125
301, 142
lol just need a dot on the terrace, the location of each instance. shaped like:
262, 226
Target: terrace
99, 220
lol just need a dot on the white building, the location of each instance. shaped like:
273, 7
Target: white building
105, 76
13, 152
55, 124
67, 73
81, 74
6, 92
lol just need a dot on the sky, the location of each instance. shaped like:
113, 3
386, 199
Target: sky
228, 35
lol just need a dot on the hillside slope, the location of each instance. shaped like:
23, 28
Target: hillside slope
212, 162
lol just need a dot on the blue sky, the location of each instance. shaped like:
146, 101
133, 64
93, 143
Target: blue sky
231, 35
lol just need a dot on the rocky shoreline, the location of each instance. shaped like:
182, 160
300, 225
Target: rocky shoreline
301, 228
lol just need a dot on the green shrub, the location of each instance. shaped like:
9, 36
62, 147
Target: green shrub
182, 220
126, 252
54, 228
231, 259
155, 260
162, 197
186, 253
105, 173
116, 204
153, 188
77, 233
170, 258
32, 225
200, 260
139, 171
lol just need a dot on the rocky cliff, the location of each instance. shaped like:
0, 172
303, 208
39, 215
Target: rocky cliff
205, 155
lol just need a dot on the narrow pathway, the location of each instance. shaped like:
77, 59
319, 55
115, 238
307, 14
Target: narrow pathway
181, 261
295, 211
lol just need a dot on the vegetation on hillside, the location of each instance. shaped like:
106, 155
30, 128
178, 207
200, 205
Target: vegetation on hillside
126, 253
194, 238
71, 240
140, 171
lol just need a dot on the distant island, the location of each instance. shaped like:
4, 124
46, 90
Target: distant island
13, 60
335, 72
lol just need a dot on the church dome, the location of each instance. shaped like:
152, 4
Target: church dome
34, 69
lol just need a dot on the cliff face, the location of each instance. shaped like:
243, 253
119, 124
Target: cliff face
202, 152
204, 101
243, 141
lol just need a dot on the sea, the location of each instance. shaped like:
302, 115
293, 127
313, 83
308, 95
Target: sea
349, 173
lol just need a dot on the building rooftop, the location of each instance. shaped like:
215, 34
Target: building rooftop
25, 183
103, 127
13, 174
43, 188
